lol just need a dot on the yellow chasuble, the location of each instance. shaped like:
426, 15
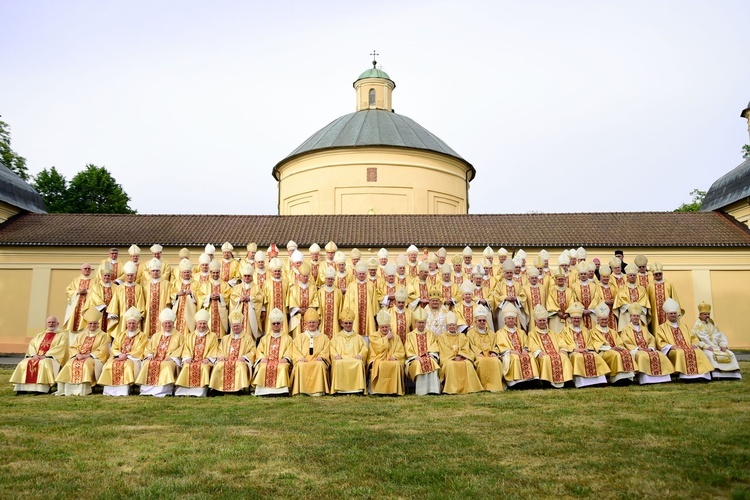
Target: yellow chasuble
233, 368
329, 306
162, 368
156, 296
248, 300
386, 375
631, 294
362, 299
274, 297
554, 366
197, 349
54, 347
348, 373
271, 373
642, 345
458, 375
418, 347
558, 301
486, 359
86, 371
684, 353
77, 294
612, 350
400, 322
588, 295
101, 295
310, 375
588, 363
298, 300
127, 296
518, 365
217, 308
184, 306
658, 293
118, 372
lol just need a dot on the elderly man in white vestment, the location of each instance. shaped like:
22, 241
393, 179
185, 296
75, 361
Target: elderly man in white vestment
422, 356
46, 352
715, 345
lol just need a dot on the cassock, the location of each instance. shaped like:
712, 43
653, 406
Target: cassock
458, 375
680, 345
489, 367
348, 373
184, 306
158, 374
199, 352
362, 299
422, 361
386, 375
518, 365
78, 375
652, 365
588, 367
77, 294
549, 349
309, 374
156, 297
272, 376
38, 375
233, 368
119, 374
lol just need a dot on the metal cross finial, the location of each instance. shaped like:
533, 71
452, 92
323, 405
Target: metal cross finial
374, 62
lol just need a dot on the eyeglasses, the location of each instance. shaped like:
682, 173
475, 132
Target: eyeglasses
276, 323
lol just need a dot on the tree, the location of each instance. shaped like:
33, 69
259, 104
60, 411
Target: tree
91, 191
746, 151
695, 205
95, 191
10, 158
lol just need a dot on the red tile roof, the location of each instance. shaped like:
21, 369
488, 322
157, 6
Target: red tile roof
610, 229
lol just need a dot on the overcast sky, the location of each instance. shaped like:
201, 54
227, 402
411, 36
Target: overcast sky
560, 106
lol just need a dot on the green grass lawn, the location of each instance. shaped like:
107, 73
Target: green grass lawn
673, 440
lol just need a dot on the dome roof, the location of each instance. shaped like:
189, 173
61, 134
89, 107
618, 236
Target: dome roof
374, 127
374, 73
730, 187
18, 193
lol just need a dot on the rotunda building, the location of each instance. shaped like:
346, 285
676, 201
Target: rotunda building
373, 161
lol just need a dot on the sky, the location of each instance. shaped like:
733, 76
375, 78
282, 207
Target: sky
579, 106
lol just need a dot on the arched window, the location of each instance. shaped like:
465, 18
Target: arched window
372, 97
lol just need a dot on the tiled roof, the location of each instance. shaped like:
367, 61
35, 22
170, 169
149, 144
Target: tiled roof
614, 229
729, 188
19, 193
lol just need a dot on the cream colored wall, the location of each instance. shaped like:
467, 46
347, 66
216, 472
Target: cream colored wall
383, 93
33, 282
740, 210
7, 211
408, 181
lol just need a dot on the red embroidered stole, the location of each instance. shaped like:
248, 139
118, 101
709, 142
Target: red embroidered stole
562, 300
633, 294
413, 270
129, 297
653, 356
225, 266
424, 360
661, 297
526, 371
304, 297
195, 364
691, 360
154, 366
118, 365
362, 308
423, 291
401, 325
84, 285
536, 296
589, 361
627, 359
607, 294
328, 316
107, 296
32, 366
469, 314
215, 314
230, 365
180, 326
554, 356
643, 280
341, 283
510, 292
153, 307
76, 367
273, 361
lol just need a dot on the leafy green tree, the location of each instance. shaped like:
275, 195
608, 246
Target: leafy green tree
694, 205
53, 188
746, 151
10, 158
95, 191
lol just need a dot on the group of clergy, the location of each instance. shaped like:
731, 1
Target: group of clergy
320, 326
